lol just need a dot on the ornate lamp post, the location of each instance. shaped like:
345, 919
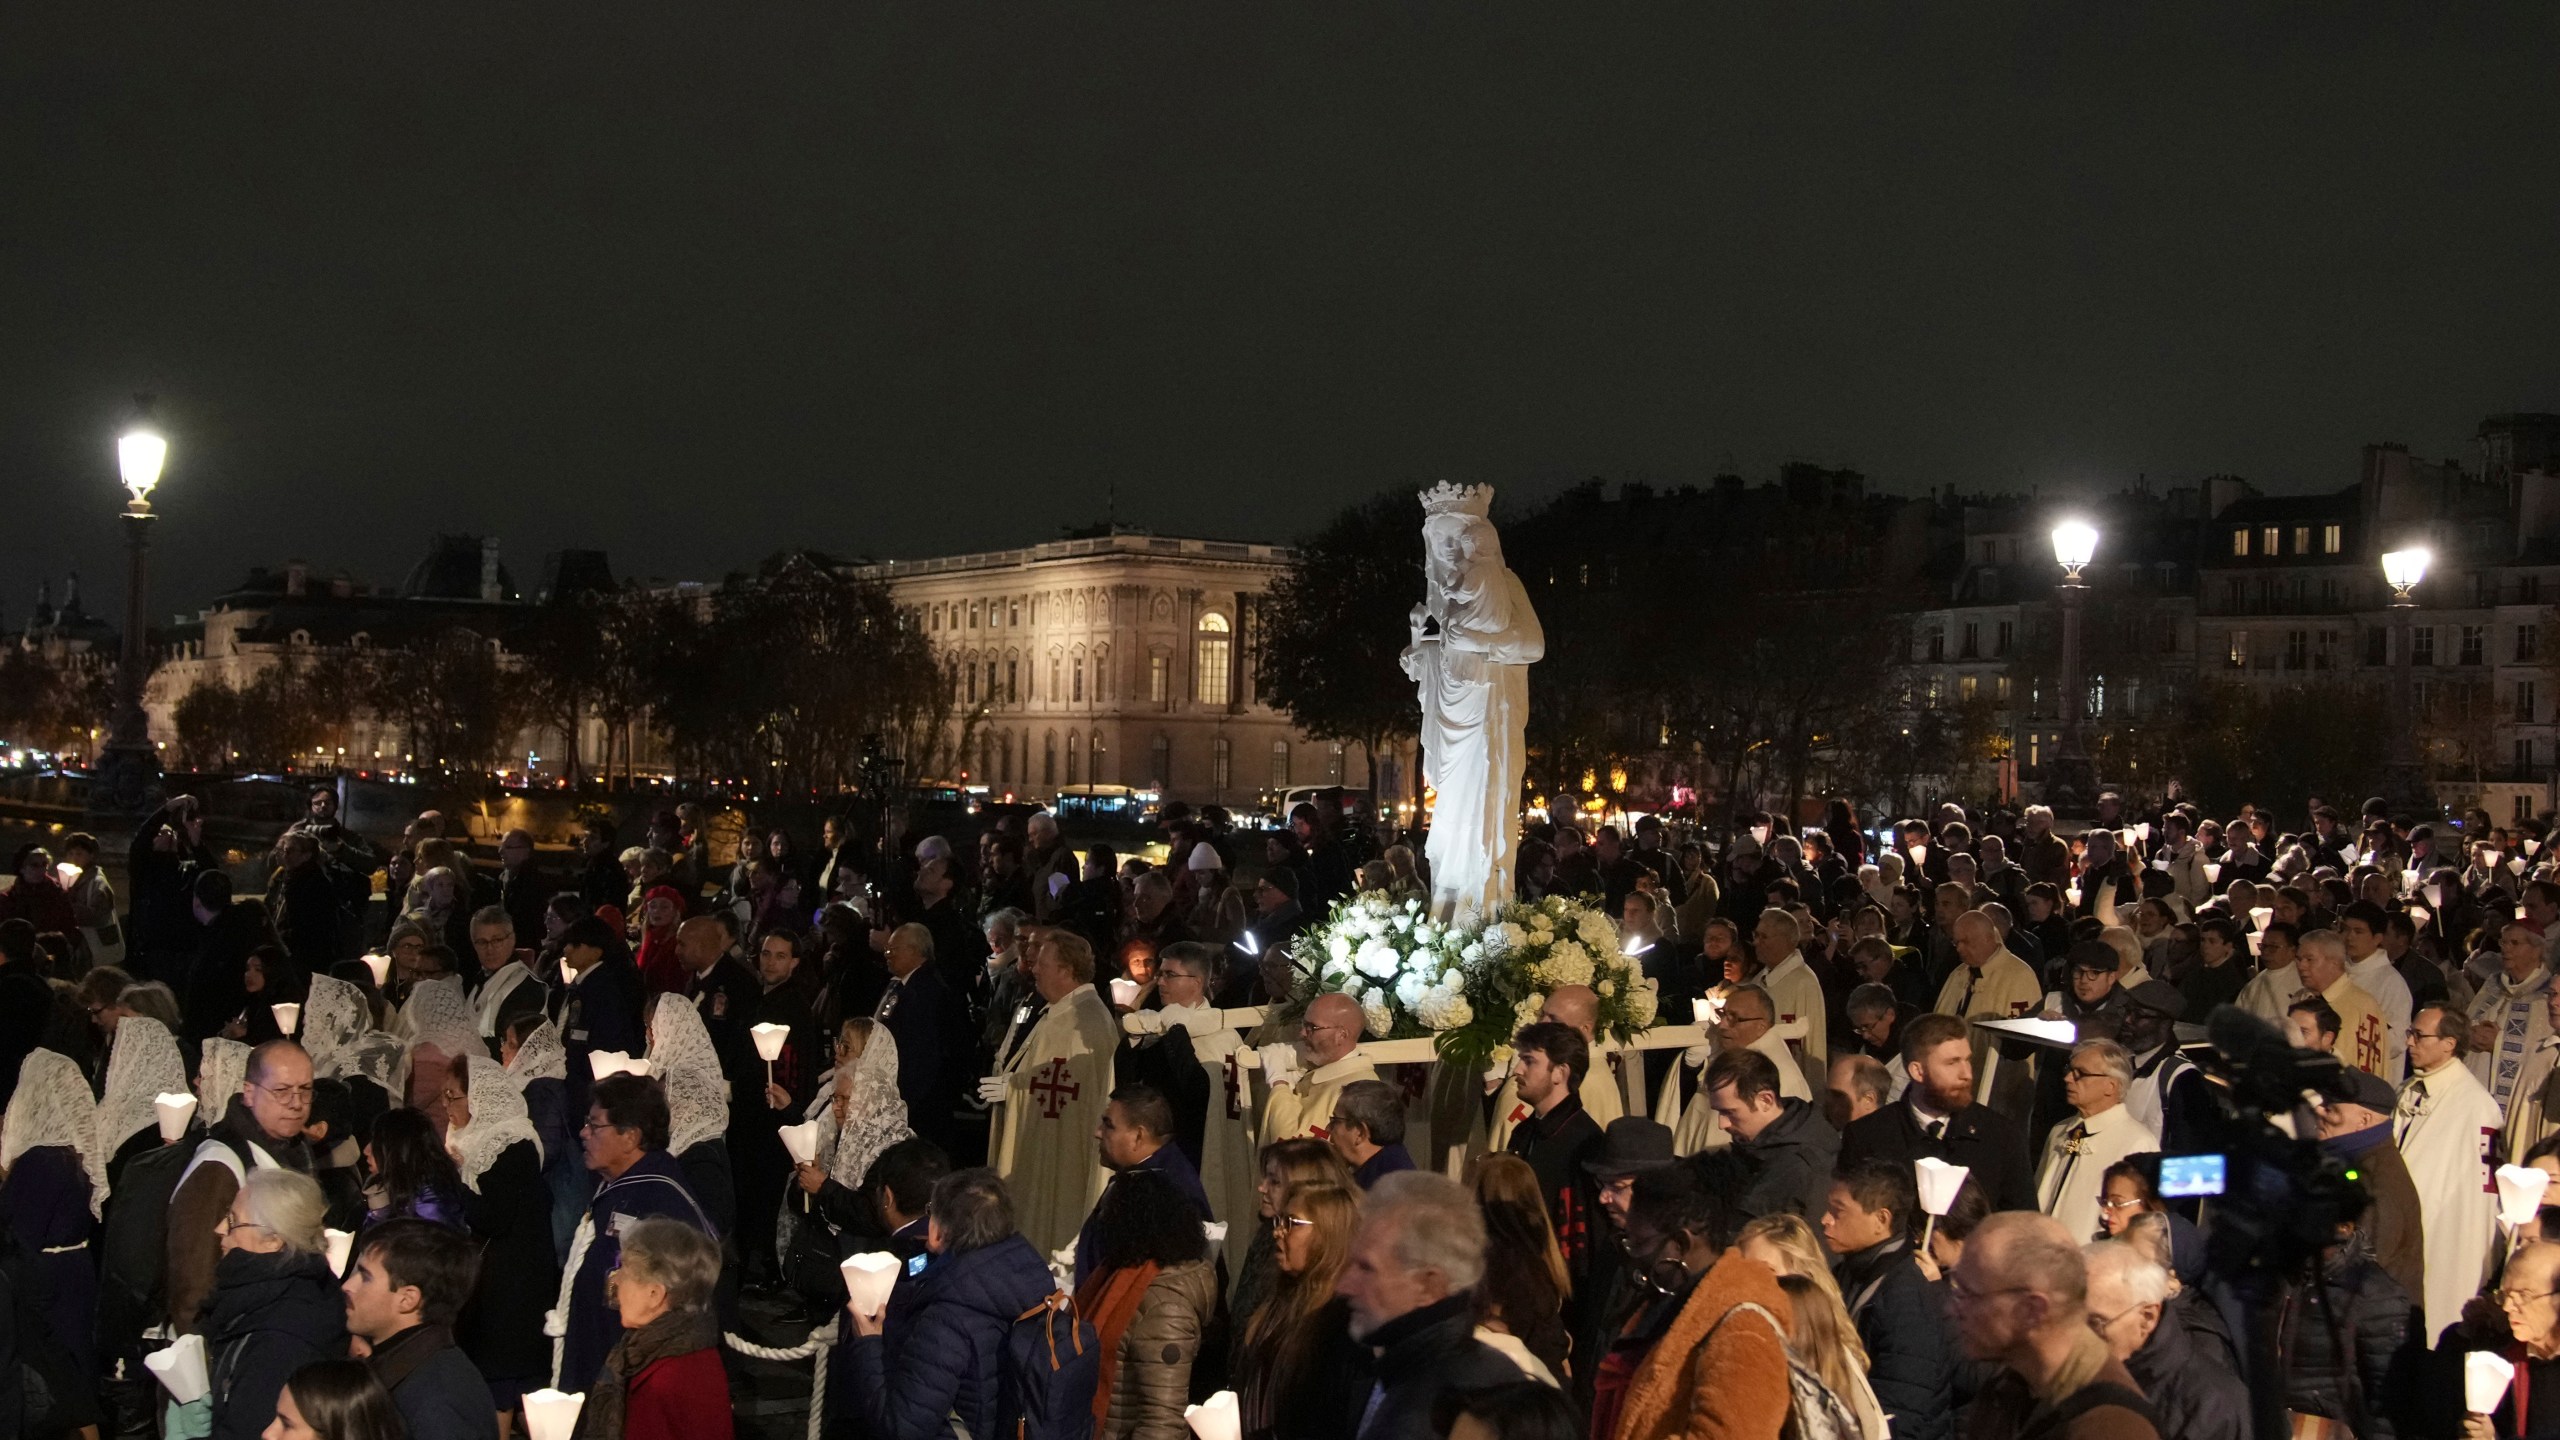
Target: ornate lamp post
2071, 782
126, 771
2405, 778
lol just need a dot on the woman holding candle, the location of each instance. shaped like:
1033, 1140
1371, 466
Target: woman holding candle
861, 1114
663, 1379
506, 1204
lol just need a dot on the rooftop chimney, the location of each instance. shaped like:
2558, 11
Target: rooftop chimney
297, 578
490, 589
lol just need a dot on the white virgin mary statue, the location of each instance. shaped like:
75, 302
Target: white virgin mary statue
1474, 638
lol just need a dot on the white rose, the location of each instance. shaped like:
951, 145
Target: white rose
1473, 952
1607, 988
1339, 945
1410, 990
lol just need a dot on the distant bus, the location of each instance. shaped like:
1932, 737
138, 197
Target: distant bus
1106, 810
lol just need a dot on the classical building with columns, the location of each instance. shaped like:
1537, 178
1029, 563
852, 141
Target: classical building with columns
1119, 659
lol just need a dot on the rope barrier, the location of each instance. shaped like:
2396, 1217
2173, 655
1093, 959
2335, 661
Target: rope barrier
814, 1349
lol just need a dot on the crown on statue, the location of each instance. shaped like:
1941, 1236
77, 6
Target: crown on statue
1447, 499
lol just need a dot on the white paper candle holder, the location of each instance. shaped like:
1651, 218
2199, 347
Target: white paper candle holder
288, 1016
181, 1369
550, 1415
1215, 1418
770, 1038
2520, 1192
868, 1279
175, 1110
801, 1141
2485, 1377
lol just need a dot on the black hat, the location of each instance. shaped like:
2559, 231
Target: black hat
2159, 995
2374, 1093
2094, 955
1632, 1146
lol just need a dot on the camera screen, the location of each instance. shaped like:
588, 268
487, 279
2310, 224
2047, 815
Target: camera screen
2183, 1176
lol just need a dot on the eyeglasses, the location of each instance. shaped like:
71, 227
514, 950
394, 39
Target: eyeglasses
2119, 1202
226, 1225
1283, 1224
2504, 1296
596, 1126
289, 1094
2076, 1073
2103, 1323
1964, 1294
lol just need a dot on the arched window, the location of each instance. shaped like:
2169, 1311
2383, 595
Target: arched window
1209, 660
1093, 751
1160, 762
1075, 759
1049, 758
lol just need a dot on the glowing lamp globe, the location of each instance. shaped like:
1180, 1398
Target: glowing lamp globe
2405, 568
2075, 543
139, 455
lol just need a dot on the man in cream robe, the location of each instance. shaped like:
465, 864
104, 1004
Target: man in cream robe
2535, 1111
1303, 1108
1579, 1007
2510, 1017
1744, 1022
2321, 960
1991, 984
2446, 1127
1053, 1091
2078, 1151
1793, 987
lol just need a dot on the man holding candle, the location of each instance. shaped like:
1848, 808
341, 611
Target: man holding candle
781, 1017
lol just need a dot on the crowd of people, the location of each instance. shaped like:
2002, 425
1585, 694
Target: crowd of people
544, 1125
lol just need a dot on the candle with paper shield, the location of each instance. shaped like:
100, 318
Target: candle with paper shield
550, 1415
2485, 1376
288, 1015
338, 1243
1124, 993
2520, 1190
380, 965
868, 1279
1938, 1183
1215, 1418
802, 1142
177, 1109
180, 1368
770, 1038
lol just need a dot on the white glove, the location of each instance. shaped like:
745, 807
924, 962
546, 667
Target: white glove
1697, 1055
1494, 1075
994, 1090
1143, 1022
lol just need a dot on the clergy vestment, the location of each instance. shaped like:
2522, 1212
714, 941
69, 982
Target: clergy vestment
1057, 1085
1227, 1171
1599, 1096
1797, 993
2536, 1106
2376, 976
2362, 1042
2446, 1127
1303, 1109
2522, 1017
2003, 989
2270, 993
2076, 1156
1694, 1128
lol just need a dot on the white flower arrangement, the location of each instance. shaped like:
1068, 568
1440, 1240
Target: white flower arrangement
1472, 984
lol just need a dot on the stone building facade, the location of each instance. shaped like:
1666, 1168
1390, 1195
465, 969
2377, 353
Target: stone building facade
1118, 659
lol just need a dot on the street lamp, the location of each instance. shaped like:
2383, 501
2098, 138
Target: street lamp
2404, 778
127, 769
2071, 782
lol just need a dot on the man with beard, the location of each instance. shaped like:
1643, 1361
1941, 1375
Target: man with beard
1937, 1116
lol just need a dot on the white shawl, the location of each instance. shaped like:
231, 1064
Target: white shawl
682, 1057
498, 1120
51, 1106
143, 1066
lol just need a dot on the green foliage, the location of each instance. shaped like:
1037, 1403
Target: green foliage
2277, 749
1333, 627
50, 705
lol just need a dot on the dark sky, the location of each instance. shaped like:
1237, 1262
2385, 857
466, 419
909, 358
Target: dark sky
694, 282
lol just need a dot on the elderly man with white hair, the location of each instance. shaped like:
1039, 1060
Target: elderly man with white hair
1416, 1258
1991, 984
2191, 1389
1328, 1039
2078, 1151
1775, 943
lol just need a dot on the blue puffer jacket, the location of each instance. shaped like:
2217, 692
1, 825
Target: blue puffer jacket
941, 1349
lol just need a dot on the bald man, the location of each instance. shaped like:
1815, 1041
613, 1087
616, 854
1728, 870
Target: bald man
1579, 1007
1328, 1037
2019, 1298
1793, 985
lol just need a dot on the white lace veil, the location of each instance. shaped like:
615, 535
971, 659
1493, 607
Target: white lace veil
219, 1075
438, 1013
682, 1057
334, 1017
143, 1066
498, 1120
540, 1057
875, 1116
51, 1106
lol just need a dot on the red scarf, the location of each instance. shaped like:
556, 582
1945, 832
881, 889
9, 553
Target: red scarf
1109, 1302
660, 971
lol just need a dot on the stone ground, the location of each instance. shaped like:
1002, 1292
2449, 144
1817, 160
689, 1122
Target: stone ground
770, 1398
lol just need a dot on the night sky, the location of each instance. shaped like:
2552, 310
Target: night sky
691, 283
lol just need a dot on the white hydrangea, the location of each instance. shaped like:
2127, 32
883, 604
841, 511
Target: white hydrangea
1526, 1012
1338, 945
1410, 988
1606, 988
1641, 1006
1566, 964
1351, 988
1380, 959
1598, 935
1376, 1018
1504, 938
1542, 927
1442, 1009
